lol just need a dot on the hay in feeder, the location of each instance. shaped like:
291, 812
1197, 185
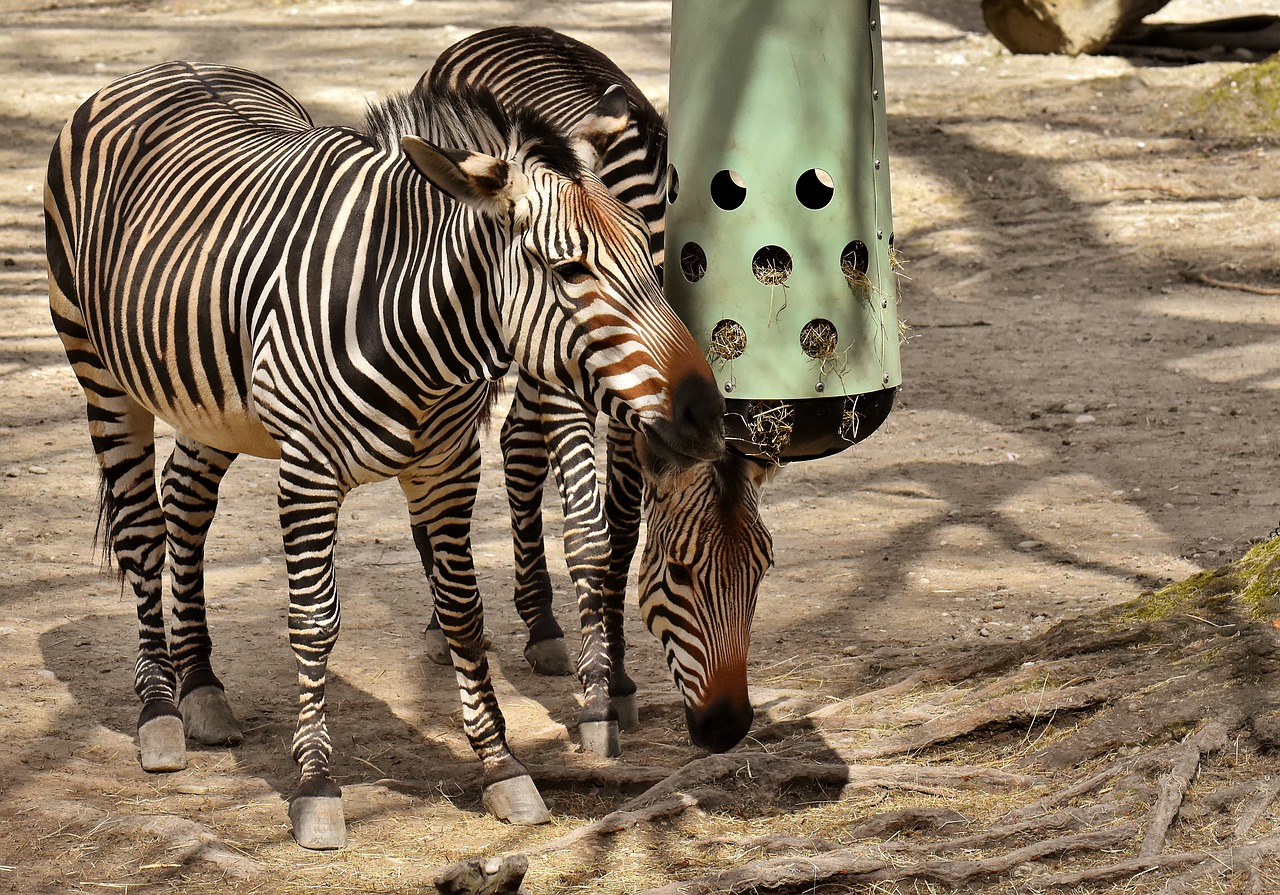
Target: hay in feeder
818, 340
770, 272
849, 422
728, 340
693, 262
858, 279
770, 424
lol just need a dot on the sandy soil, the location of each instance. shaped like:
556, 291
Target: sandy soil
1078, 423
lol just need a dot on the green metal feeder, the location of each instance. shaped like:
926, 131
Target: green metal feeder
779, 235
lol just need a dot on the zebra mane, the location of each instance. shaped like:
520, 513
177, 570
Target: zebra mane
467, 117
737, 482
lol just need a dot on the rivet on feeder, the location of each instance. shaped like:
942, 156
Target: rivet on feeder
877, 164
879, 234
819, 386
875, 94
728, 386
885, 379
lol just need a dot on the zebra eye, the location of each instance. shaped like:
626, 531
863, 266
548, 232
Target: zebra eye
679, 575
574, 272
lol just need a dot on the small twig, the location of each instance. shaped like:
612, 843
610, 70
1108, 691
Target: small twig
1196, 277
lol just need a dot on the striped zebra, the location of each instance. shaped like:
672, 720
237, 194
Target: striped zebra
707, 548
342, 300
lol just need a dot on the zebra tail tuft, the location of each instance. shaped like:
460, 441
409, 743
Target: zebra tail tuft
104, 532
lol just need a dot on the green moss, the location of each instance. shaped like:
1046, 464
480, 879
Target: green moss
1251, 585
1242, 106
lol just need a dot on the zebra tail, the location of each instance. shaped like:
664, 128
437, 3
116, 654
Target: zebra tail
104, 540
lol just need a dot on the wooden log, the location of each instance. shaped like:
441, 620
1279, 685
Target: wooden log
1068, 27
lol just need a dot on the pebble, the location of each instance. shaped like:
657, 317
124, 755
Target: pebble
1074, 407
1029, 545
37, 470
1085, 418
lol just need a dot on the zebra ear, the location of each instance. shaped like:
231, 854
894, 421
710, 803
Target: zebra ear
596, 132
481, 181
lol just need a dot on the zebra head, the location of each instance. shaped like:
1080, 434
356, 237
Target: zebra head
580, 303
704, 557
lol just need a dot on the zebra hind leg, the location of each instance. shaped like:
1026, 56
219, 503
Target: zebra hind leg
189, 495
122, 434
123, 438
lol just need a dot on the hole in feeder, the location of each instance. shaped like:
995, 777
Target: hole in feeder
818, 339
693, 262
673, 184
854, 261
728, 340
771, 265
815, 188
728, 189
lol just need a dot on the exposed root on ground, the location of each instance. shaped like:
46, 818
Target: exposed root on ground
1119, 749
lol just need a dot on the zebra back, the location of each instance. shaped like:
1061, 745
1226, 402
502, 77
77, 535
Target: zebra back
562, 78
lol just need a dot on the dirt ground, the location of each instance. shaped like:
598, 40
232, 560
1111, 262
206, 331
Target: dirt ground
1079, 422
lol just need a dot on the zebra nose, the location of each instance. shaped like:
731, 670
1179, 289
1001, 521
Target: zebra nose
719, 726
695, 430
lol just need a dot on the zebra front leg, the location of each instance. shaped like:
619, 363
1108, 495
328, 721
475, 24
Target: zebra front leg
440, 506
309, 500
571, 445
624, 493
189, 495
525, 465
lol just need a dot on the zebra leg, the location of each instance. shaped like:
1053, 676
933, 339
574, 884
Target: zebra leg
525, 464
624, 493
309, 500
122, 432
440, 502
189, 495
571, 444
123, 438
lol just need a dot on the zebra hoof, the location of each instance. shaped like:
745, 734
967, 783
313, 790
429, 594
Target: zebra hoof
517, 801
318, 822
550, 657
207, 717
600, 737
437, 647
628, 711
162, 745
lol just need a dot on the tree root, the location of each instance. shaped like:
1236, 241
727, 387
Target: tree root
1099, 744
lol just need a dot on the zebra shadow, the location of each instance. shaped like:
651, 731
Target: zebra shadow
92, 657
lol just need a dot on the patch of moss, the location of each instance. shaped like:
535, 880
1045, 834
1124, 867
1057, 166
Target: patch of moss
1241, 107
1251, 585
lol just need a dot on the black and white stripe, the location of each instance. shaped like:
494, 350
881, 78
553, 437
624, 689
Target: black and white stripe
327, 297
706, 549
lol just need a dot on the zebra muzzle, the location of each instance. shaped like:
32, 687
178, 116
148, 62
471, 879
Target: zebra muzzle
695, 430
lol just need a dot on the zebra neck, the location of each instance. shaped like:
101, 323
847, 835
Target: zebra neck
437, 272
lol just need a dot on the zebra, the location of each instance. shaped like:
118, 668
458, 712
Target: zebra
707, 548
343, 300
